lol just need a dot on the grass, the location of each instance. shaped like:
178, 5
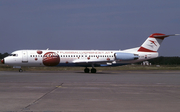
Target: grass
119, 68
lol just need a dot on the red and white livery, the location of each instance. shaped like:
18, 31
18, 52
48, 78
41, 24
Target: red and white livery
86, 58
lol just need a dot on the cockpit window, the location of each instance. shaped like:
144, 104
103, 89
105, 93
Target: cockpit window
13, 55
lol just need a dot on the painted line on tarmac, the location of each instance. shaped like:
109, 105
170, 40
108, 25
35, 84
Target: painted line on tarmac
25, 108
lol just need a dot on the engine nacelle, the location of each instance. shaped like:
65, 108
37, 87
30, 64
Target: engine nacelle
125, 56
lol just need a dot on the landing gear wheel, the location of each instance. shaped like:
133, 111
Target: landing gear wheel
93, 70
20, 70
86, 70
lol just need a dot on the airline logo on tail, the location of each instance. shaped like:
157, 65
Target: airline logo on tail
153, 42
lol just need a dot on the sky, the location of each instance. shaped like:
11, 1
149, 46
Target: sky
88, 24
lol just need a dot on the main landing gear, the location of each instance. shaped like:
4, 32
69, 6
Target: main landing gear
86, 70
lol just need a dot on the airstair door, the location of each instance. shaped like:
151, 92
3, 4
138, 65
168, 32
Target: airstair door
24, 57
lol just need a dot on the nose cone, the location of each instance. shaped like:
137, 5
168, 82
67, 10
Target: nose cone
2, 61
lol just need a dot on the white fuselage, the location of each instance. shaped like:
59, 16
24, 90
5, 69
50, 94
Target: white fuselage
84, 58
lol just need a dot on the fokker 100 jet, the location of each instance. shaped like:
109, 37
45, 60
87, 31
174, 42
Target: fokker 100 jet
86, 58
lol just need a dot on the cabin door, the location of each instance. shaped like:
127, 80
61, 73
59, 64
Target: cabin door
24, 56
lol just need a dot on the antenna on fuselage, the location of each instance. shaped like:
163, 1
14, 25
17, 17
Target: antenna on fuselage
47, 49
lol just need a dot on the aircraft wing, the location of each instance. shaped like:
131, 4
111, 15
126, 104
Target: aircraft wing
90, 61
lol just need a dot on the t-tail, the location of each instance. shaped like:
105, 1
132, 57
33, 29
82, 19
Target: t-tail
153, 42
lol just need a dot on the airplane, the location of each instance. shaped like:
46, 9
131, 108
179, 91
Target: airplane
86, 58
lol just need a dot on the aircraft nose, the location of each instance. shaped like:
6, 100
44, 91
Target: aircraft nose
2, 61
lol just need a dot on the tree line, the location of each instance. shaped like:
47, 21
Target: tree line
165, 61
156, 61
3, 55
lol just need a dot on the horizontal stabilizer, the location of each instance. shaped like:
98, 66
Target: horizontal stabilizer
164, 36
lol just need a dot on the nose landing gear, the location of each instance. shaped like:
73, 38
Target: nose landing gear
20, 70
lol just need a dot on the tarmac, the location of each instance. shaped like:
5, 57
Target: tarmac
72, 91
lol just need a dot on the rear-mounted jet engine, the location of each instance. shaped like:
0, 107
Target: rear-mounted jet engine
125, 56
